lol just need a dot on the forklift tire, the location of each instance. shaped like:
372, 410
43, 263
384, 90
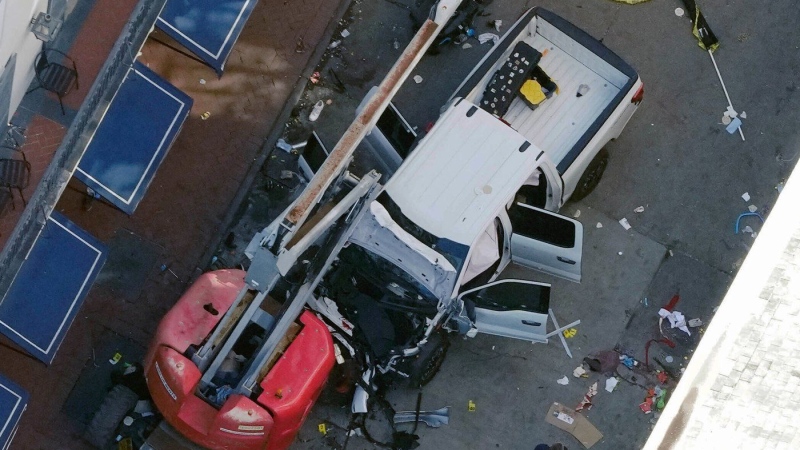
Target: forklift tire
118, 401
429, 361
591, 177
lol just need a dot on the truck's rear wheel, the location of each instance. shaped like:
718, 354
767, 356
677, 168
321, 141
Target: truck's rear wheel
117, 403
591, 177
429, 361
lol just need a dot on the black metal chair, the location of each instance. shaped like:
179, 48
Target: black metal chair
55, 72
15, 174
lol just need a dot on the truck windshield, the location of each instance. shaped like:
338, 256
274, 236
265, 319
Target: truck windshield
454, 252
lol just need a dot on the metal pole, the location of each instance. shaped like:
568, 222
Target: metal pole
711, 54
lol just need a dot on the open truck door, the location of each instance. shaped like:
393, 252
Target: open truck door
546, 241
509, 308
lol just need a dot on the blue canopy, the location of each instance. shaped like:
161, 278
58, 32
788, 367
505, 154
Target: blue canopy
133, 137
13, 400
50, 287
208, 28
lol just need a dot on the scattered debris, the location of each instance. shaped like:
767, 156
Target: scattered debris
644, 302
496, 24
396, 44
779, 187
735, 124
563, 381
605, 361
628, 361
743, 115
611, 383
287, 174
676, 320
570, 332
471, 406
574, 424
739, 219
639, 209
624, 223
669, 358
316, 111
322, 428
752, 208
345, 33
694, 323
746, 197
487, 37
662, 376
205, 115
115, 359
747, 229
417, 79
466, 46
586, 403
314, 78
582, 90
599, 225
679, 12
619, 253
577, 213
202, 81
580, 372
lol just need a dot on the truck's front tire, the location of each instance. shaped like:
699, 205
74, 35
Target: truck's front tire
591, 176
117, 403
429, 361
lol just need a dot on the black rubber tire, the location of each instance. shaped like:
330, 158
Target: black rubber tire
117, 403
429, 361
591, 176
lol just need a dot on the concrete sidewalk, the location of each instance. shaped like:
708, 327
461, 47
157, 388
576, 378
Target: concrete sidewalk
187, 205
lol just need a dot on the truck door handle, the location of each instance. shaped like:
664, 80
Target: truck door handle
566, 260
533, 324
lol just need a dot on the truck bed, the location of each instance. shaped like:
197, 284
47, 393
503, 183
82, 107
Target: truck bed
562, 124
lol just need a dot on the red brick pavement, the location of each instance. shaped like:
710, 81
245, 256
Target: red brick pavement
187, 201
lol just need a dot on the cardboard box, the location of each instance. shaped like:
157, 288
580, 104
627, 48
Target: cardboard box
574, 423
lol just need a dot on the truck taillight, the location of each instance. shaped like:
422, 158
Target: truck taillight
638, 96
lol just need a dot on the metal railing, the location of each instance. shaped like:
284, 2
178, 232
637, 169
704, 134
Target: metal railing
69, 153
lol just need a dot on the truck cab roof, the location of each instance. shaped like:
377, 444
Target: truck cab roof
462, 173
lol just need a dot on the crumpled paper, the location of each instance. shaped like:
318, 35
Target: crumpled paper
676, 320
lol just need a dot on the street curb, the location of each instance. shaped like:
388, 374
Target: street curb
273, 136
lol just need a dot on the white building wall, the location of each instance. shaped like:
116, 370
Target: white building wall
16, 37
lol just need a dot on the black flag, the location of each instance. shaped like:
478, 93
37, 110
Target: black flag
705, 37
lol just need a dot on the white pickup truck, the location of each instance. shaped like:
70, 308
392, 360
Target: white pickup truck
477, 192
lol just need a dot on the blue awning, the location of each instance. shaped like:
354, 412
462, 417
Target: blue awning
13, 400
133, 137
49, 288
208, 28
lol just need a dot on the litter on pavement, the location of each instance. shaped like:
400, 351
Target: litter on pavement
624, 223
417, 79
487, 37
577, 213
611, 383
433, 419
599, 225
676, 320
752, 208
574, 424
563, 381
586, 403
639, 209
746, 197
579, 372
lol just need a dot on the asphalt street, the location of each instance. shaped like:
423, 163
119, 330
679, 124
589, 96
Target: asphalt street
675, 159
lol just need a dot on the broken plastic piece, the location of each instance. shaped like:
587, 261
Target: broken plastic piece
579, 372
417, 79
752, 208
746, 197
577, 213
624, 223
639, 209
743, 115
694, 323
345, 33
611, 383
599, 225
734, 125
563, 381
